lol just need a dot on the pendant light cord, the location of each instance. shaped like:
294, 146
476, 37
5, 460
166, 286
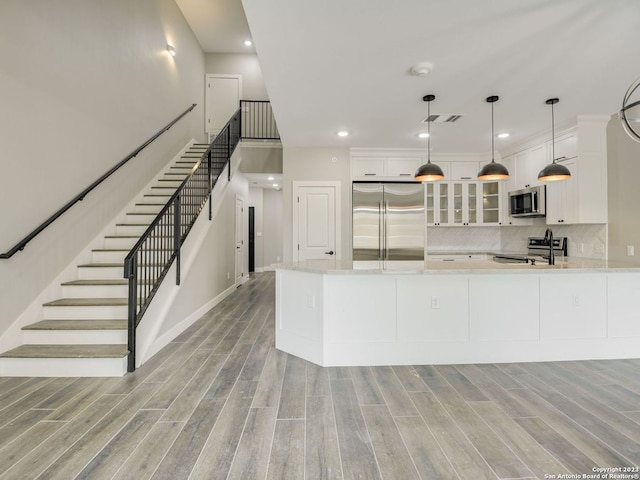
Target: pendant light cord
553, 136
429, 131
493, 157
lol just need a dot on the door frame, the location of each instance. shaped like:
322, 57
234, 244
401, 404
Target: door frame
209, 76
239, 280
336, 185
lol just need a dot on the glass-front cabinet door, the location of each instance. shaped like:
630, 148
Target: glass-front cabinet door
463, 203
437, 203
443, 204
491, 203
430, 203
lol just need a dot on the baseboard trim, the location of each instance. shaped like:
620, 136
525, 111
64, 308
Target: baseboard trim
167, 337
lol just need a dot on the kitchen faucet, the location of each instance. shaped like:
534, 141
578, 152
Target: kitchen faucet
548, 237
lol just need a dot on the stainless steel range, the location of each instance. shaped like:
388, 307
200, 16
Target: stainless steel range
538, 250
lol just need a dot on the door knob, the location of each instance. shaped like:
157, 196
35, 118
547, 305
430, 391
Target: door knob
330, 252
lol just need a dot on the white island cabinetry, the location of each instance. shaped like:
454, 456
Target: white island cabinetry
457, 312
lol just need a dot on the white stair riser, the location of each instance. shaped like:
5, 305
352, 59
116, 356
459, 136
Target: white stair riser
85, 312
95, 291
179, 178
151, 209
162, 191
75, 337
146, 218
137, 230
108, 257
101, 273
117, 242
63, 367
170, 182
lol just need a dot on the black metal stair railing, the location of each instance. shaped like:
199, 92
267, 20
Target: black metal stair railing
152, 256
258, 121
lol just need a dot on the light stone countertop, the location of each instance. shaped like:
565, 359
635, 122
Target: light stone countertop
436, 264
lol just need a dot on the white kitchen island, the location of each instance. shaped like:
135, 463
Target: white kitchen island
337, 313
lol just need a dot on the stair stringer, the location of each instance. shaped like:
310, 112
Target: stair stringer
150, 335
14, 335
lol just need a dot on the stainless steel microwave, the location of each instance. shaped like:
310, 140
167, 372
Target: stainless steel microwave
528, 202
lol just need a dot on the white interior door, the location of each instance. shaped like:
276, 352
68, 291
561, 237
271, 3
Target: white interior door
223, 96
239, 240
316, 210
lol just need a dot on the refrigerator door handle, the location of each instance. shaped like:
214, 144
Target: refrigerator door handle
380, 227
386, 219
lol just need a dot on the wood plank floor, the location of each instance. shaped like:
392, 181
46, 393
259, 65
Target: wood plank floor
221, 403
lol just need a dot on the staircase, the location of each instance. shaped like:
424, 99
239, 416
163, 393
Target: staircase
84, 333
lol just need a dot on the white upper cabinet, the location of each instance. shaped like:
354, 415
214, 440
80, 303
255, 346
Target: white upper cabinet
381, 167
583, 150
528, 165
562, 196
367, 167
402, 167
566, 146
464, 171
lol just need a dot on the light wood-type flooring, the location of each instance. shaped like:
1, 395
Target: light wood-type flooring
220, 402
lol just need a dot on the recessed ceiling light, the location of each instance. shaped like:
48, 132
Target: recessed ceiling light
270, 178
248, 43
343, 133
275, 185
423, 135
503, 135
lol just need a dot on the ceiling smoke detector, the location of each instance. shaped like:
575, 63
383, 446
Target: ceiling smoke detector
421, 69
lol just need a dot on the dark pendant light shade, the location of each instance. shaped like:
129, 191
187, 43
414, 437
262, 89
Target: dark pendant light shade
554, 171
493, 170
429, 172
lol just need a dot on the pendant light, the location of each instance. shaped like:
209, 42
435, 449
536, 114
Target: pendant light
429, 172
493, 170
554, 171
628, 104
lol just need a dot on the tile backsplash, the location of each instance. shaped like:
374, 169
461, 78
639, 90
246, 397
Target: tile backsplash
584, 240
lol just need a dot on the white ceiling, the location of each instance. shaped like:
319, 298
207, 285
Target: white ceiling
219, 25
333, 65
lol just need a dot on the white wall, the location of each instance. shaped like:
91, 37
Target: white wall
272, 227
623, 155
82, 84
247, 65
216, 258
316, 163
268, 226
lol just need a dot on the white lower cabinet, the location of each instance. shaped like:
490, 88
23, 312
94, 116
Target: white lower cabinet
573, 306
623, 305
493, 299
416, 317
432, 309
367, 306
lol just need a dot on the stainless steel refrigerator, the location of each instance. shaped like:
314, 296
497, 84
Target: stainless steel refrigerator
388, 221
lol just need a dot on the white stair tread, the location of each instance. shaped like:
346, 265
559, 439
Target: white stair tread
77, 325
96, 283
87, 302
67, 351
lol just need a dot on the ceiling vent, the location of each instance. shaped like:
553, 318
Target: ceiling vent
442, 118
